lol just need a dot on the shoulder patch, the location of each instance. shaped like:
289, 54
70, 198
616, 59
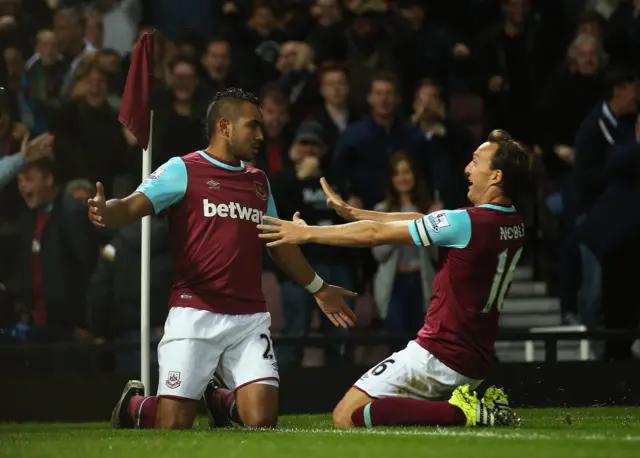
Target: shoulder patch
155, 175
437, 221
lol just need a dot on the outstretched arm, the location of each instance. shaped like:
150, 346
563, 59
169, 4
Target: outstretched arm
163, 188
355, 214
447, 228
290, 259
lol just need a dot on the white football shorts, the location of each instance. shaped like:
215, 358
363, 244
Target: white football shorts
197, 343
412, 373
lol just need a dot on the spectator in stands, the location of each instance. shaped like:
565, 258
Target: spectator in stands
623, 32
216, 66
327, 34
11, 165
120, 19
570, 96
109, 60
609, 124
69, 26
94, 31
450, 145
258, 40
59, 251
592, 23
369, 48
18, 26
12, 135
298, 78
610, 240
402, 285
434, 50
178, 112
15, 67
363, 151
113, 302
298, 189
42, 82
512, 58
274, 151
90, 142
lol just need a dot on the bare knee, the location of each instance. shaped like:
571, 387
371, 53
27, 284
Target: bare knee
258, 405
175, 413
257, 419
342, 417
353, 400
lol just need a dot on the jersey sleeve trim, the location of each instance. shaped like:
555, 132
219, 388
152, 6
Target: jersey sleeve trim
272, 210
167, 185
448, 228
419, 233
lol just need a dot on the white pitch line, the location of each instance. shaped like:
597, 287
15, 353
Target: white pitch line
456, 433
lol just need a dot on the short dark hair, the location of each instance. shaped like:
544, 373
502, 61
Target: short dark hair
183, 59
385, 77
225, 104
516, 162
75, 14
620, 76
44, 165
332, 66
275, 96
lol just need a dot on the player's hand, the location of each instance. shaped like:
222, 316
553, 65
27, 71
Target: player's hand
331, 300
281, 232
334, 201
98, 207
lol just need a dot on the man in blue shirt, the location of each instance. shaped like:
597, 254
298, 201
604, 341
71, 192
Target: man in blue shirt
362, 154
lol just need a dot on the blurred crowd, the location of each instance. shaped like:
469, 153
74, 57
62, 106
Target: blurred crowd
386, 99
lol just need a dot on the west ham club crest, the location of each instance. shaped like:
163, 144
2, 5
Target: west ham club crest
173, 380
260, 191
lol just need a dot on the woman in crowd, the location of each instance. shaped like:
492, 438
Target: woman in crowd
402, 286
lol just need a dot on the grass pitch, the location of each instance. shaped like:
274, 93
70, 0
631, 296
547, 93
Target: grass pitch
592, 432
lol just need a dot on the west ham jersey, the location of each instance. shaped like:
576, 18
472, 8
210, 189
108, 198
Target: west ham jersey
213, 209
480, 248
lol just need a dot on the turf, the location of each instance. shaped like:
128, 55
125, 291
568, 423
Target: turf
592, 432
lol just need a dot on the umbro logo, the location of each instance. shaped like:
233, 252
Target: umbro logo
213, 184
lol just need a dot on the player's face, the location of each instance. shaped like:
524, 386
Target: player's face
403, 179
246, 133
481, 176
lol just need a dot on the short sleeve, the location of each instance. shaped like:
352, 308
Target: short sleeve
167, 185
272, 211
446, 228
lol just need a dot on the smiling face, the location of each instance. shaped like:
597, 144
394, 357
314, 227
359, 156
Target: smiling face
403, 178
480, 173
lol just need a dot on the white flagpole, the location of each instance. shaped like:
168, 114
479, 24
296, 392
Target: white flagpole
145, 277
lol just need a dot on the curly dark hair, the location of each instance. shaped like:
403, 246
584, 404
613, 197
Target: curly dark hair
226, 104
